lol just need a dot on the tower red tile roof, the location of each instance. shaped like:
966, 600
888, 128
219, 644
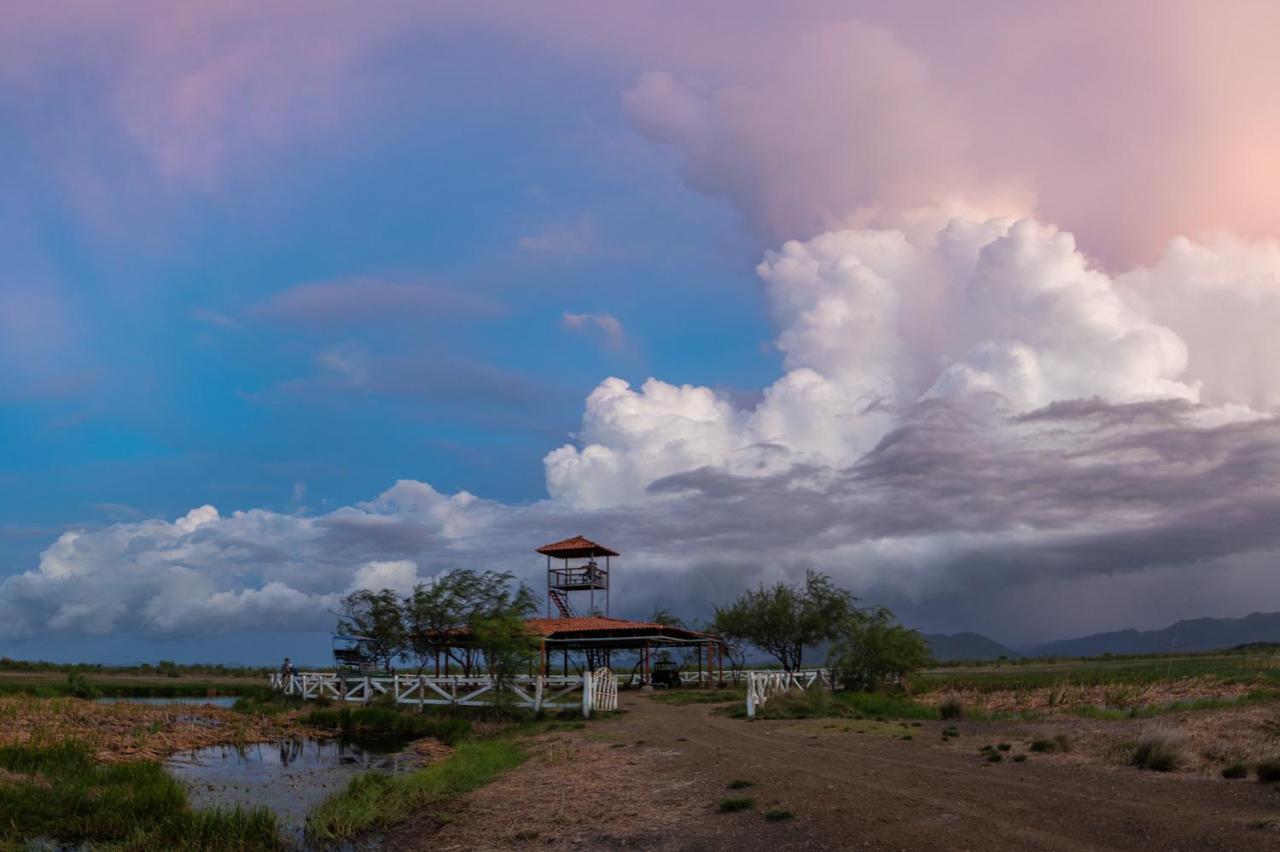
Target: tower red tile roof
575, 548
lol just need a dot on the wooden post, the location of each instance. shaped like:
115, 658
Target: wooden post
647, 681
542, 653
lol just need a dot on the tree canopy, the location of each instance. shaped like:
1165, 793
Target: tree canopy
784, 619
873, 649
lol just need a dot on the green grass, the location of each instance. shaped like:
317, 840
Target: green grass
1231, 667
373, 800
733, 804
391, 722
739, 784
73, 799
699, 696
778, 815
1235, 770
824, 704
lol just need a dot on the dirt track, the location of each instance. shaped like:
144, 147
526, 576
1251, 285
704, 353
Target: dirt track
652, 779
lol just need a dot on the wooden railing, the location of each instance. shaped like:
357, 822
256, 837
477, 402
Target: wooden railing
534, 693
763, 685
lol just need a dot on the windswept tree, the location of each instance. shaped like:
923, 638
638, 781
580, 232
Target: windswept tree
784, 619
378, 619
439, 610
874, 650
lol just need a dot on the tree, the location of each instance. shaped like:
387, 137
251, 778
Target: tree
376, 617
872, 649
438, 611
783, 619
735, 646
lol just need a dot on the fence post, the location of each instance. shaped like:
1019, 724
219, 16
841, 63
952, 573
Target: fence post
751, 695
537, 695
586, 694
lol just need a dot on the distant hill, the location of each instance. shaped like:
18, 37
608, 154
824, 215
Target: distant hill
1196, 634
950, 647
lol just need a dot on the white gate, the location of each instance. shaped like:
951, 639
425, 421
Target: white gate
604, 690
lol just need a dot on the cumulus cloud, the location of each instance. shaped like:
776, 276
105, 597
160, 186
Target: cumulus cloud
873, 320
963, 503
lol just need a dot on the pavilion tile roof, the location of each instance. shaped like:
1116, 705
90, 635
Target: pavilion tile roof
599, 625
576, 547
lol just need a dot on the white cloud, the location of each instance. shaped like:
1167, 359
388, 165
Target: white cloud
560, 240
606, 326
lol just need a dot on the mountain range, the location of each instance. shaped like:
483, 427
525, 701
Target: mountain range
1196, 634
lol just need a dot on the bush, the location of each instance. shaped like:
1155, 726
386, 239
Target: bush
994, 757
1235, 770
873, 650
739, 784
377, 721
1268, 771
79, 686
1004, 746
732, 804
951, 708
778, 815
1160, 750
1047, 745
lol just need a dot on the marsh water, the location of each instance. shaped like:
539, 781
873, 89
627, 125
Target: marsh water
290, 776
227, 701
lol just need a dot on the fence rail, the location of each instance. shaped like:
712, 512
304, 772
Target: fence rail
763, 685
535, 693
589, 691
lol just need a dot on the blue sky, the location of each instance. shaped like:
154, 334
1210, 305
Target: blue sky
298, 297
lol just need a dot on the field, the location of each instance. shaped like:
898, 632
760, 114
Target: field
1168, 752
132, 683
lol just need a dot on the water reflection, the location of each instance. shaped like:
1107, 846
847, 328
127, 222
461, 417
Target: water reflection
196, 700
289, 776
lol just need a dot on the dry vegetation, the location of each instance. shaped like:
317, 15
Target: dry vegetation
128, 732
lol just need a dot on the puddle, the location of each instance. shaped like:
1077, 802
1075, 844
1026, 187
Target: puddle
290, 777
197, 700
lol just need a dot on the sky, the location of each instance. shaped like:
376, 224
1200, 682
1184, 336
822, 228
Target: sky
969, 305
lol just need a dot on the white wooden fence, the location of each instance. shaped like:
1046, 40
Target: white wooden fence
535, 693
589, 691
763, 685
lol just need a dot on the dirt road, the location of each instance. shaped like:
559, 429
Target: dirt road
652, 779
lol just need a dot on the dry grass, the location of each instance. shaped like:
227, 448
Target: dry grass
124, 732
571, 791
1065, 696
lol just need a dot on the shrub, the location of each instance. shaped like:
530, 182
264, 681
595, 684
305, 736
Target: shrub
1268, 771
951, 708
1160, 750
732, 804
1004, 746
739, 784
994, 757
778, 815
79, 686
1049, 745
1235, 770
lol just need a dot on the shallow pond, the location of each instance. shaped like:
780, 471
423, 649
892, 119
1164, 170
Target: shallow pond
290, 777
198, 700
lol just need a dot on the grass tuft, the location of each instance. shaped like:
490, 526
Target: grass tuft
739, 784
733, 804
1160, 750
1235, 770
1268, 771
951, 708
76, 801
778, 815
